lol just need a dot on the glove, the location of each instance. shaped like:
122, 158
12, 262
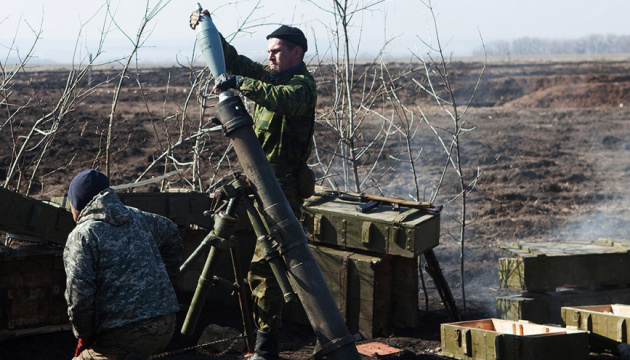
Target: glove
194, 17
81, 345
225, 82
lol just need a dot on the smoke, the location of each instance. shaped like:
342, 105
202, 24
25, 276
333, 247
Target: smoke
603, 211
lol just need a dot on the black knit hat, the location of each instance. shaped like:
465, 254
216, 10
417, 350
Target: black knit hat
85, 186
291, 34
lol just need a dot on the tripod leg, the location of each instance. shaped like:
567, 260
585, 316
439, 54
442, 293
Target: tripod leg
205, 281
246, 312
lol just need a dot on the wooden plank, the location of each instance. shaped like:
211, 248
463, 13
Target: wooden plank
378, 350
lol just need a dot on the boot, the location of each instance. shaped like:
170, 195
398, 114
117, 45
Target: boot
266, 347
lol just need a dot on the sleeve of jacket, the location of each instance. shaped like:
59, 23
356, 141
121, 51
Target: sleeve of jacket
241, 65
169, 243
80, 258
298, 97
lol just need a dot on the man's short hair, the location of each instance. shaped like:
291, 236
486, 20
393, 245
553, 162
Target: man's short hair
85, 186
290, 34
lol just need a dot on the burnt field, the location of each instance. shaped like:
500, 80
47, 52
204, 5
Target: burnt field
550, 140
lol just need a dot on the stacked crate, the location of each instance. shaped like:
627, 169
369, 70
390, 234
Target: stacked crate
369, 260
557, 274
567, 283
32, 278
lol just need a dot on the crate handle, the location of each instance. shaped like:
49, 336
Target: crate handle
467, 346
366, 232
588, 320
576, 318
317, 224
498, 349
622, 335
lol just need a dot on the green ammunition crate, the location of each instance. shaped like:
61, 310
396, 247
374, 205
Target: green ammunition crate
607, 321
32, 285
41, 221
183, 208
489, 339
545, 266
407, 232
374, 294
546, 308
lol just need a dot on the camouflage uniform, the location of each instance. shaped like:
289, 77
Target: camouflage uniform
118, 260
284, 118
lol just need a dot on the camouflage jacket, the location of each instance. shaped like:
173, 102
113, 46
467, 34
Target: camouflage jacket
284, 112
118, 260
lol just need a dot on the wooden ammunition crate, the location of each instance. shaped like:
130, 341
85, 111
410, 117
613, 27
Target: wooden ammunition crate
183, 208
374, 294
545, 266
32, 285
546, 308
607, 321
510, 340
407, 232
43, 222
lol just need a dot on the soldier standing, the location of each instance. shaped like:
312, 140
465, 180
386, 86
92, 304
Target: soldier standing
118, 261
285, 95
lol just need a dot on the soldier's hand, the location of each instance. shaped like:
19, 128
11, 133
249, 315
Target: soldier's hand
225, 82
194, 17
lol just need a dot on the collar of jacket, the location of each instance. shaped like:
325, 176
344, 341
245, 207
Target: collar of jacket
107, 207
274, 77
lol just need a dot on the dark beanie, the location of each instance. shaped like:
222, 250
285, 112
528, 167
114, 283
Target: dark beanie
85, 186
291, 34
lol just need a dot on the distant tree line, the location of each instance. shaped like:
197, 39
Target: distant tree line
592, 44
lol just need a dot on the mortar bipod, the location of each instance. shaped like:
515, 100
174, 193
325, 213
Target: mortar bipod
220, 238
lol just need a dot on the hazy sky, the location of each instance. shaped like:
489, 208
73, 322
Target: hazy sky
402, 22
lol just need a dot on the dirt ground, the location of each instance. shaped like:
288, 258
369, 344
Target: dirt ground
551, 139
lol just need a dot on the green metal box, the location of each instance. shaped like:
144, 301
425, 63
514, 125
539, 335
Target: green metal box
407, 232
489, 339
545, 266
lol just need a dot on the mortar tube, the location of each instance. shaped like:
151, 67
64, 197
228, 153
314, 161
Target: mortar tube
305, 275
